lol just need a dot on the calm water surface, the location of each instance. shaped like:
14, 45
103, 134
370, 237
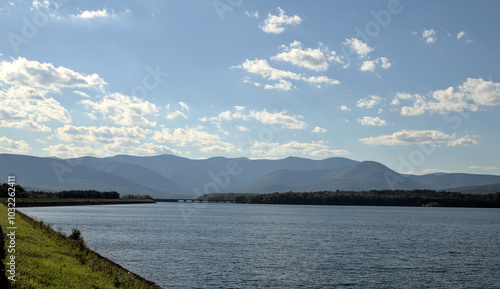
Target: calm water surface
185, 245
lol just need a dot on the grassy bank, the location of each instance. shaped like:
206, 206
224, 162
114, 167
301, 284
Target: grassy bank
45, 258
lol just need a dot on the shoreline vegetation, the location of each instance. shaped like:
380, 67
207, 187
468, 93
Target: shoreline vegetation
46, 258
414, 198
25, 198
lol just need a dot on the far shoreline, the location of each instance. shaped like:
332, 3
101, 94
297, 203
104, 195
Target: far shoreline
26, 203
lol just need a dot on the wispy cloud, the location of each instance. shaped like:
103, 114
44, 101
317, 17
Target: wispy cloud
487, 168
372, 121
344, 108
252, 14
368, 102
178, 112
263, 116
409, 137
314, 149
261, 67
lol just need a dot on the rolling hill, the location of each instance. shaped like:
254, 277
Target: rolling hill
169, 176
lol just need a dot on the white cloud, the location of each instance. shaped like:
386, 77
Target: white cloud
275, 23
72, 150
409, 137
429, 35
368, 65
281, 118
24, 86
252, 14
261, 67
431, 171
315, 149
81, 93
87, 14
105, 141
184, 105
123, 109
361, 48
482, 92
385, 62
368, 102
195, 137
176, 114
247, 79
48, 6
99, 134
309, 58
282, 84
318, 129
128, 147
470, 95
242, 128
228, 115
33, 74
344, 108
179, 112
461, 34
8, 145
487, 168
318, 80
372, 121
263, 116
465, 141
334, 57
26, 108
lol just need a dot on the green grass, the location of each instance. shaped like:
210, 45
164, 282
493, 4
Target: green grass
48, 259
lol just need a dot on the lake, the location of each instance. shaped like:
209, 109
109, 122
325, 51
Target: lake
186, 245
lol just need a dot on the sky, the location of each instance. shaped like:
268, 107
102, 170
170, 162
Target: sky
414, 85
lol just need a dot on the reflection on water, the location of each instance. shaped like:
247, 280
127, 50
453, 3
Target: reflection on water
249, 246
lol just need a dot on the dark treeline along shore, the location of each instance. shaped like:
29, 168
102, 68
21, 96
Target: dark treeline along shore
26, 198
365, 198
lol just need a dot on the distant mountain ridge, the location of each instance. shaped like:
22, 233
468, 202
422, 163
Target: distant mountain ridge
169, 176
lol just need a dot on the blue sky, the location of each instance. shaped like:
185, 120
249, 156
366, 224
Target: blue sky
412, 84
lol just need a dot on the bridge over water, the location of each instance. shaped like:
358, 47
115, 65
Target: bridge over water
191, 201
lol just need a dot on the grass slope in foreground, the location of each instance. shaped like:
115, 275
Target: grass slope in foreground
48, 259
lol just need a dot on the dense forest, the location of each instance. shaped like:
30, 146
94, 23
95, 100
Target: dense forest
20, 192
365, 198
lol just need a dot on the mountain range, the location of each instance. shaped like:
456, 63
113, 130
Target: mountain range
169, 176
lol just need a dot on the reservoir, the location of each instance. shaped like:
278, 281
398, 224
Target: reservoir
211, 245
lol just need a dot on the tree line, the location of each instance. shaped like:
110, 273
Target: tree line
365, 198
74, 194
